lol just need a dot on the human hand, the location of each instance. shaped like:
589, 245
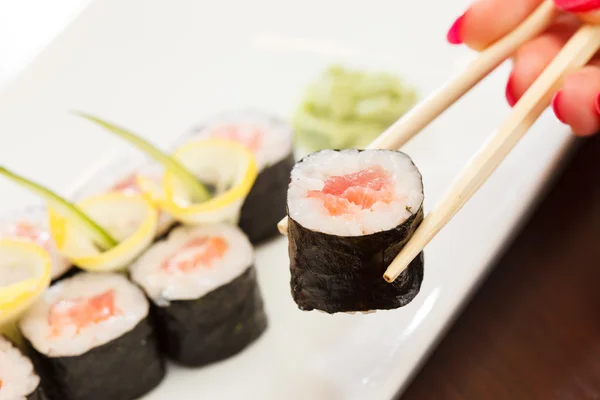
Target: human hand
577, 103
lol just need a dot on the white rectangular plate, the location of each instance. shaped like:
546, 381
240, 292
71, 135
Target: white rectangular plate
159, 66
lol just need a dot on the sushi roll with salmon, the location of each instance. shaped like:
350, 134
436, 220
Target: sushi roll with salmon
204, 288
90, 337
350, 213
121, 175
31, 224
270, 140
18, 379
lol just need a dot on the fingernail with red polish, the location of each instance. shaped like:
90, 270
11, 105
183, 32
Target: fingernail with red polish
510, 97
556, 106
578, 6
597, 104
454, 34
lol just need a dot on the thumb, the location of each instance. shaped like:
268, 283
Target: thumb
587, 10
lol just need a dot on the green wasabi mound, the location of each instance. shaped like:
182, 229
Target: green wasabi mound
348, 108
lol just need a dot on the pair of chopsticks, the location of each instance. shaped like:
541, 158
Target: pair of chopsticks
582, 46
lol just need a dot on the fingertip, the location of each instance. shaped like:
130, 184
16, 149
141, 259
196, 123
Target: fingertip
578, 104
486, 21
532, 58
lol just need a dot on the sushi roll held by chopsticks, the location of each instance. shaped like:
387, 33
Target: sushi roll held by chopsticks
577, 52
350, 213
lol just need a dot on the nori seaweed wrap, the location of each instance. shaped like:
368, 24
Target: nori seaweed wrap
205, 294
270, 140
265, 206
90, 337
350, 213
216, 326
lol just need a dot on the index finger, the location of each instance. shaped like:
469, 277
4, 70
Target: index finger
486, 21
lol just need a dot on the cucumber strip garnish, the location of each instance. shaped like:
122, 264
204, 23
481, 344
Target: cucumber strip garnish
192, 185
96, 233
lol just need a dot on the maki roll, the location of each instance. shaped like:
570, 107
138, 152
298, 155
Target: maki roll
350, 213
90, 338
122, 175
203, 285
18, 379
128, 225
270, 140
24, 276
31, 224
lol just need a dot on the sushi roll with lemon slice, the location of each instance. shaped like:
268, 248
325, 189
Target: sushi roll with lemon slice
270, 141
202, 283
32, 224
90, 337
25, 269
130, 219
100, 233
224, 166
202, 182
122, 174
18, 379
350, 213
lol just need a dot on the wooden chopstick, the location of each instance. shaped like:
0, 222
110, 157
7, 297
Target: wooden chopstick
575, 54
488, 60
426, 112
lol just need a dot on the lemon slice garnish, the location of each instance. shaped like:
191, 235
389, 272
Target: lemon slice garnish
88, 226
24, 275
130, 218
224, 164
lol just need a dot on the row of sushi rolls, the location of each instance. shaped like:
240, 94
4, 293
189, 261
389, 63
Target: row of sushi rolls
155, 261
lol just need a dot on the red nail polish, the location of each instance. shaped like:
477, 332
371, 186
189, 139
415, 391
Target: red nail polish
555, 106
454, 34
510, 97
597, 103
578, 6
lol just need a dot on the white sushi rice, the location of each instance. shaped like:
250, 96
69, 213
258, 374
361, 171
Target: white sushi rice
35, 220
277, 135
164, 286
17, 376
317, 168
130, 304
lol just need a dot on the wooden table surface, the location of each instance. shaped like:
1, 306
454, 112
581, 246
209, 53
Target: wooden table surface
532, 331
